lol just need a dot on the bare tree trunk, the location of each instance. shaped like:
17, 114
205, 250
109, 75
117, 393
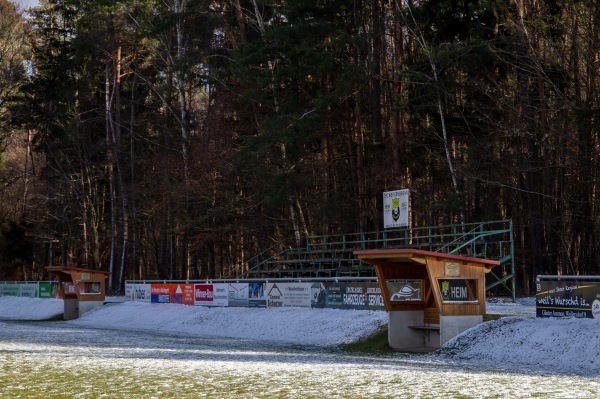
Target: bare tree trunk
180, 80
359, 139
111, 177
118, 150
85, 217
28, 165
136, 264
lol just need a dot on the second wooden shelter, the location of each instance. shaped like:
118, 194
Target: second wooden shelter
430, 297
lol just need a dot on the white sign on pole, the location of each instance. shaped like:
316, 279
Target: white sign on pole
395, 209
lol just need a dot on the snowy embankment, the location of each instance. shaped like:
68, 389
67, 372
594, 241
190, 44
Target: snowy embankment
517, 341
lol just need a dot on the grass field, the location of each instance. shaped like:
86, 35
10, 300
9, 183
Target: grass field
54, 360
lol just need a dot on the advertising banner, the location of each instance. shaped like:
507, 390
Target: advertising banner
318, 295
204, 294
140, 292
395, 209
237, 294
11, 289
129, 291
187, 293
458, 290
337, 295
29, 290
172, 293
162, 293
568, 299
289, 294
257, 295
365, 296
334, 295
374, 296
404, 290
70, 288
221, 294
211, 294
45, 290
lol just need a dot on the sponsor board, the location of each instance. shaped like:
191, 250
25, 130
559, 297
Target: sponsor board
334, 295
10, 289
42, 289
68, 288
374, 296
211, 295
354, 296
162, 293
187, 293
204, 294
172, 293
45, 290
318, 295
29, 290
395, 208
289, 294
568, 299
221, 294
129, 291
257, 295
458, 290
141, 292
405, 290
237, 294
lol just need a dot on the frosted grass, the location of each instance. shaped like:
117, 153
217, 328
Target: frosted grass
59, 360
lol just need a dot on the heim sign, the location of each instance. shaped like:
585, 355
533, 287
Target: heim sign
395, 209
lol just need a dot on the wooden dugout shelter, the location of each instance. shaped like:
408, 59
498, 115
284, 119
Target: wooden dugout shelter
88, 289
430, 297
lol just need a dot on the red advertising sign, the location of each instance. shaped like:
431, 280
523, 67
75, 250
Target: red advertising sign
187, 295
172, 293
204, 294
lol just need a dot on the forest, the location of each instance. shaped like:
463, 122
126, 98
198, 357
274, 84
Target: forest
176, 139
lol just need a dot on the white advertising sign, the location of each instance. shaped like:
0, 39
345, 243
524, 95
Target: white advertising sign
289, 294
211, 295
220, 295
395, 209
129, 291
140, 292
29, 290
237, 294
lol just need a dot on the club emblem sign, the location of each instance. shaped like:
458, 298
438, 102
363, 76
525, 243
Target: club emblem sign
395, 208
458, 290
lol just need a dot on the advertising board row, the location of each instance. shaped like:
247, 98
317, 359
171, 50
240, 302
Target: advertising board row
568, 299
40, 289
336, 295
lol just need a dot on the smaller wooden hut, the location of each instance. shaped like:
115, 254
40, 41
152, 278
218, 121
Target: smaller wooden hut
430, 297
81, 289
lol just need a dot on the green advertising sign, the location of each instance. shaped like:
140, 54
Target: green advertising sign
45, 290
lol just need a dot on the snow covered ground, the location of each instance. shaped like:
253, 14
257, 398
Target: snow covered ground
518, 341
186, 351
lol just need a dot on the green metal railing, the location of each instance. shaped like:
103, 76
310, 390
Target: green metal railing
488, 240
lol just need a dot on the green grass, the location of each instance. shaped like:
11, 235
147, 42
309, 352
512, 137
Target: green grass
375, 343
378, 342
58, 317
490, 317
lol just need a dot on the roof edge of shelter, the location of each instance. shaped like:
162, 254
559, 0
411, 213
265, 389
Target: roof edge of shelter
418, 255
